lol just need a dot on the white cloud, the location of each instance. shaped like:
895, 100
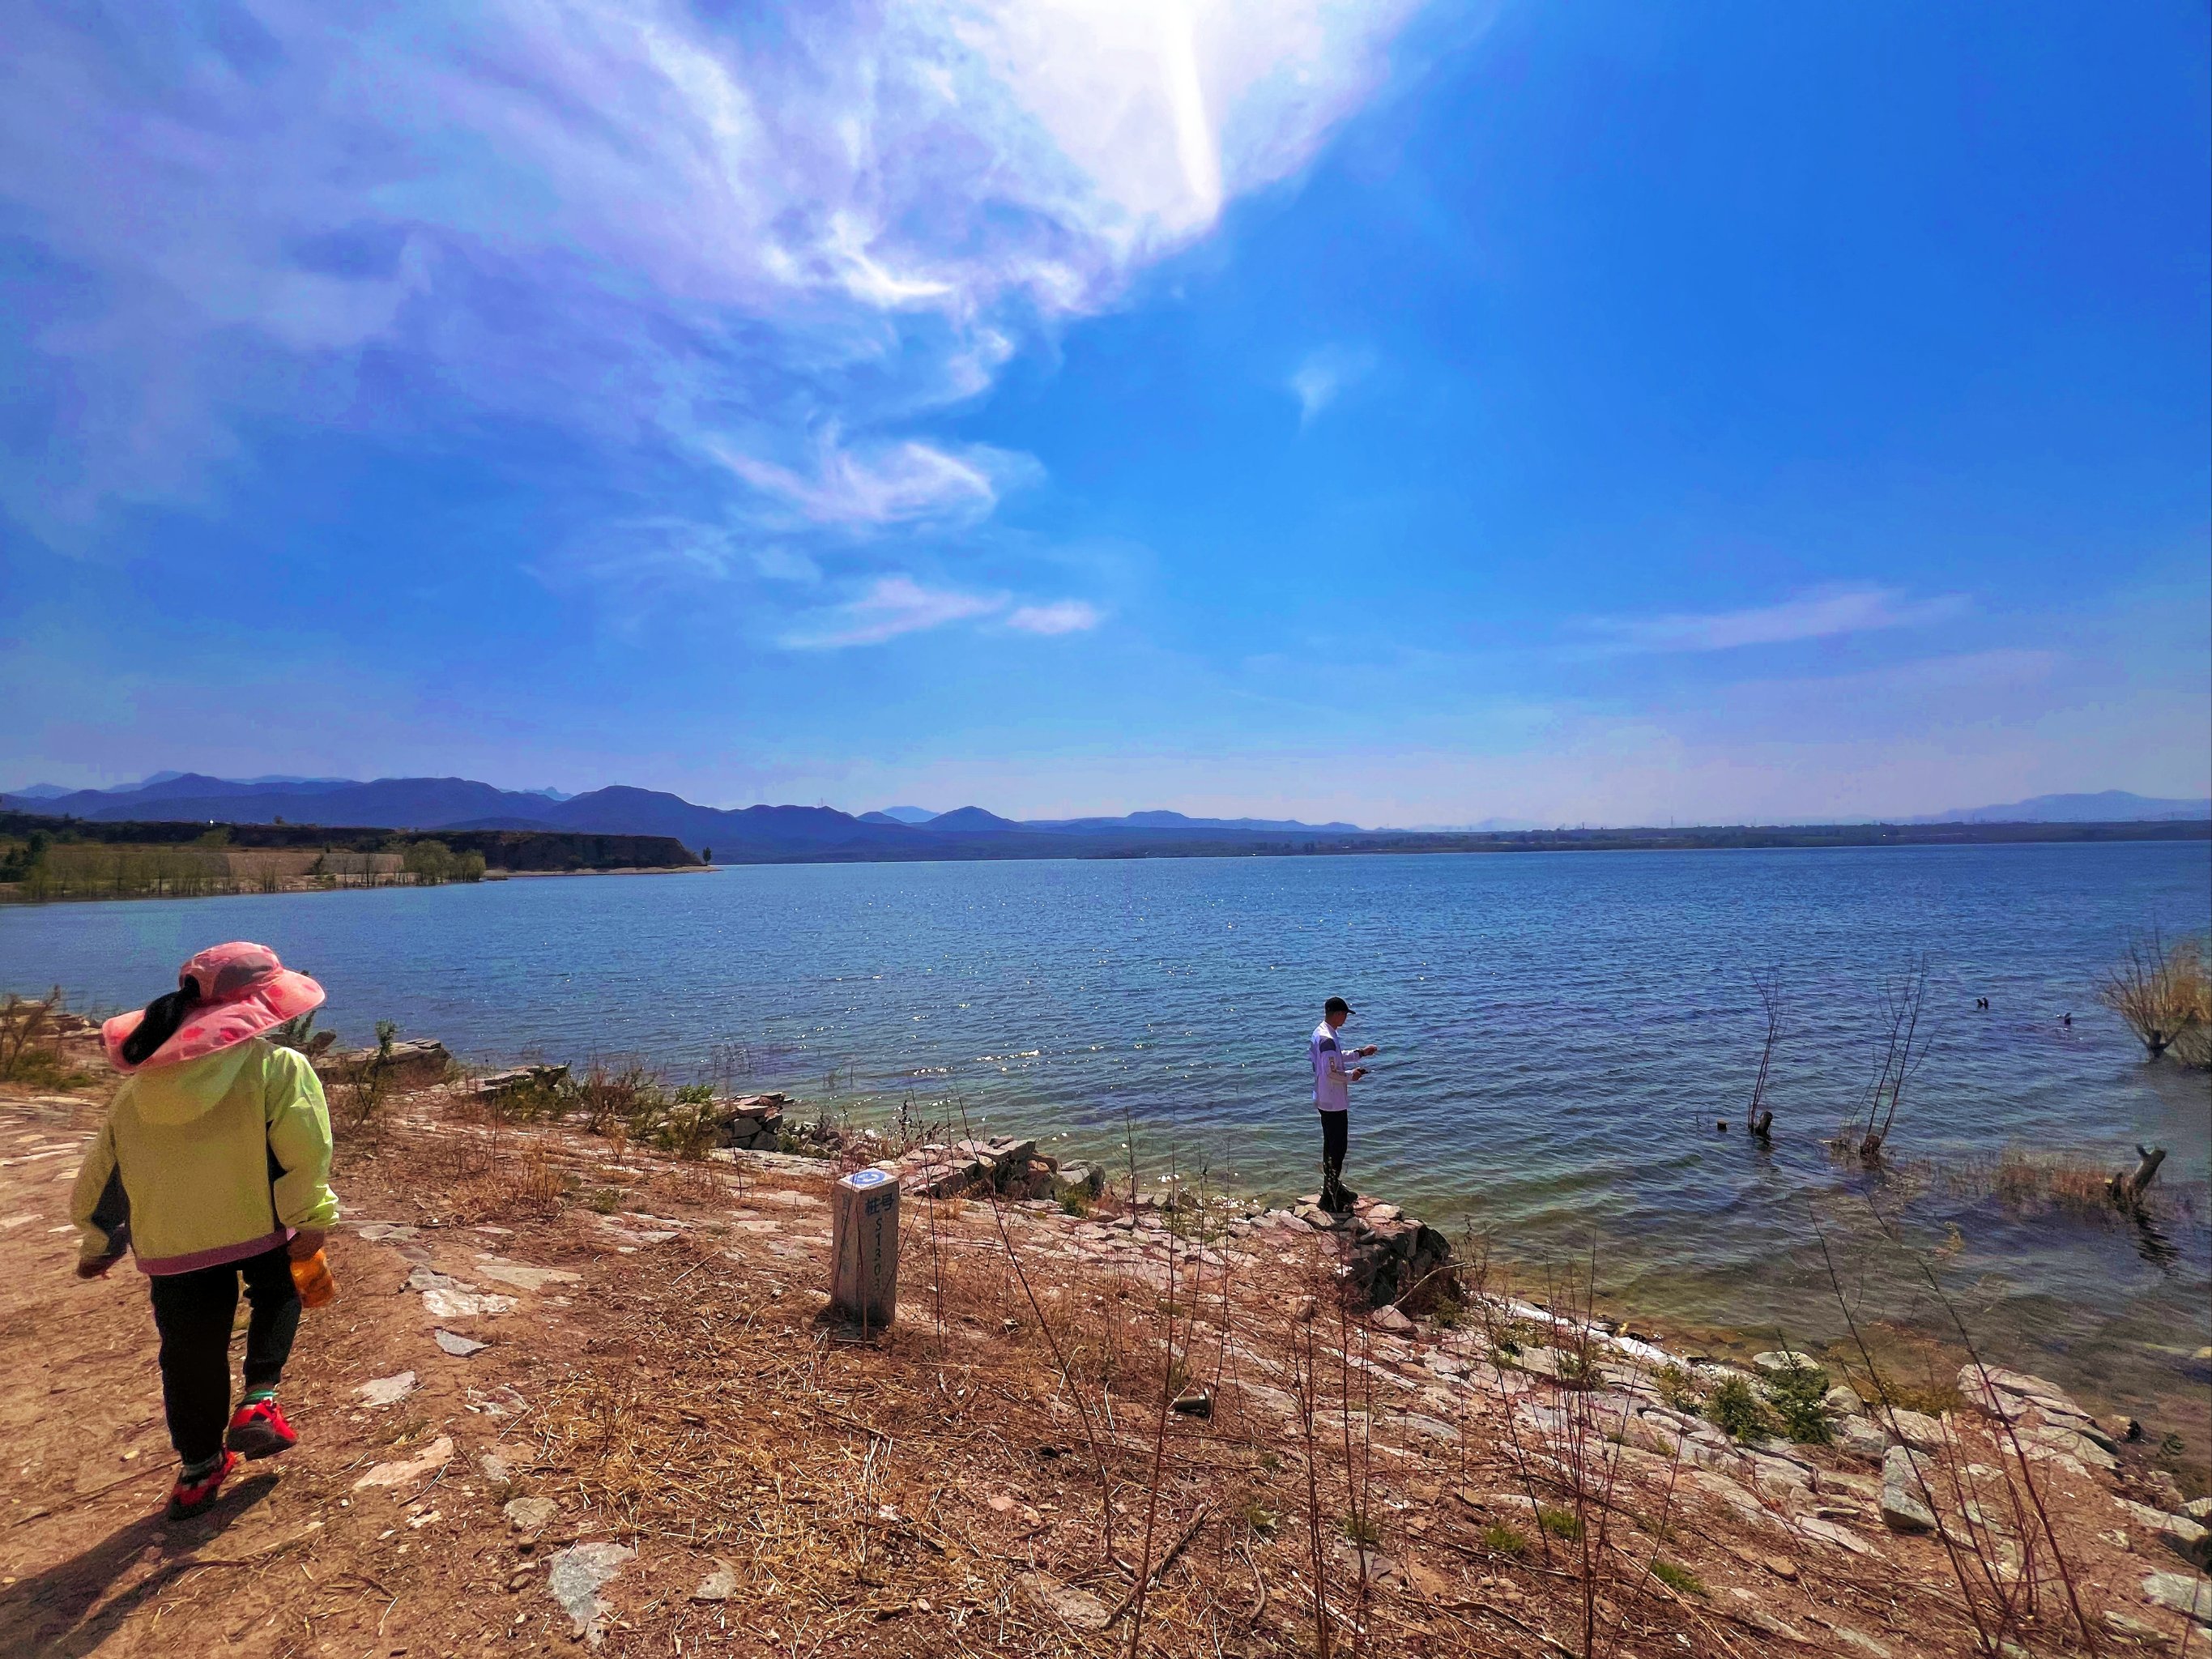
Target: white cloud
772, 250
1324, 373
1822, 613
1060, 617
784, 564
890, 606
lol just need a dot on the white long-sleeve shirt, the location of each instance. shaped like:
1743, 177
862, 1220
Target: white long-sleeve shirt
1332, 1075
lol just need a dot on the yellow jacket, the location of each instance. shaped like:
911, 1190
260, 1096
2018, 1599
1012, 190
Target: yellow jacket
212, 1161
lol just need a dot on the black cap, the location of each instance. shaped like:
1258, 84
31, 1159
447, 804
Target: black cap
1336, 1005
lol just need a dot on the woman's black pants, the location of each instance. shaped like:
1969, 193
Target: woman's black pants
193, 1312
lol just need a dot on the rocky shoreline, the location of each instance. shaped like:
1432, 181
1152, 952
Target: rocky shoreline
1465, 1458
1879, 1459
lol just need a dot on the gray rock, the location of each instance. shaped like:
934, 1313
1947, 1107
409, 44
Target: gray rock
720, 1584
1076, 1607
1753, 1612
457, 1346
1979, 1383
579, 1573
1777, 1362
1918, 1429
2178, 1533
1773, 1476
522, 1277
1843, 1401
1830, 1532
405, 1471
1859, 1437
2199, 1510
447, 1297
386, 1390
1083, 1178
2089, 1429
529, 1514
1903, 1511
2065, 1441
1902, 1507
1903, 1466
2186, 1593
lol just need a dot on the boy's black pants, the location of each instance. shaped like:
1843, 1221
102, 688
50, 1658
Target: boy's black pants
1335, 1137
193, 1312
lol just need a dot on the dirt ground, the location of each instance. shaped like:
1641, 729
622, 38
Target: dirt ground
661, 1406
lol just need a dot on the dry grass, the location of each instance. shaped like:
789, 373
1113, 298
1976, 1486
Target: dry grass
911, 1493
2031, 1185
528, 1185
32, 1043
931, 1490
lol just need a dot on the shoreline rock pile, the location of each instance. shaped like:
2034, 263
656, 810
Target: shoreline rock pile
1008, 1164
514, 1079
754, 1124
415, 1062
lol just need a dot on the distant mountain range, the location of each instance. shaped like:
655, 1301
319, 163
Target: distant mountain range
2106, 807
806, 832
746, 832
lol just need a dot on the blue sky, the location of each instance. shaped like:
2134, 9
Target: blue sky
1411, 415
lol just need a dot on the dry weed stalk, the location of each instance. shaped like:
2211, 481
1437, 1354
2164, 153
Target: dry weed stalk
2001, 1595
1046, 1328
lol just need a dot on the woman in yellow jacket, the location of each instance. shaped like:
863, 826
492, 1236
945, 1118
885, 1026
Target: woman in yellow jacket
213, 1166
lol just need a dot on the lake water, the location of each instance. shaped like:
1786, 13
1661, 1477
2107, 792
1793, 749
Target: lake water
1558, 1033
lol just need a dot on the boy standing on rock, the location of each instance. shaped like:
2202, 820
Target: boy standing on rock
213, 1166
1332, 1098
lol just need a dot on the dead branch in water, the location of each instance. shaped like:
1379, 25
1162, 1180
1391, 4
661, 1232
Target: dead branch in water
2127, 1186
1767, 982
1903, 1048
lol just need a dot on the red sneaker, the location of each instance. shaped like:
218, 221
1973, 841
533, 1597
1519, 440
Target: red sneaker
189, 1497
259, 1431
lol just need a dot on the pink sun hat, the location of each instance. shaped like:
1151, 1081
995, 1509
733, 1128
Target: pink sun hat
243, 991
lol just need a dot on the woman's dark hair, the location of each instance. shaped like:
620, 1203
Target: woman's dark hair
163, 1016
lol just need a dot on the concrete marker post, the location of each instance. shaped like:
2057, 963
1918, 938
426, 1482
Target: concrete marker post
864, 1248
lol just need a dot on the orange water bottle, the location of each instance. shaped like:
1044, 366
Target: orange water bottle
313, 1278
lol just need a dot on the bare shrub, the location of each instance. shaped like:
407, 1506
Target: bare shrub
364, 1082
629, 1097
2165, 995
23, 1025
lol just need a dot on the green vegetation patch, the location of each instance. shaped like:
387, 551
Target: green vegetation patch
1796, 1397
1677, 1390
1560, 1523
1734, 1408
1681, 1580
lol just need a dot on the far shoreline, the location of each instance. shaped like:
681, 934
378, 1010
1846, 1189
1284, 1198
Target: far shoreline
2146, 834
